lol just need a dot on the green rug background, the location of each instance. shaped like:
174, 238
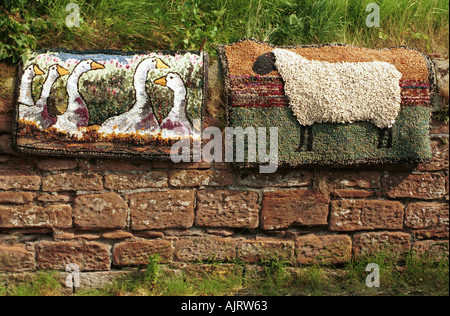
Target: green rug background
347, 144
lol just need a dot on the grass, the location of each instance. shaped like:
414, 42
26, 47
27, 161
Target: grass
414, 275
184, 24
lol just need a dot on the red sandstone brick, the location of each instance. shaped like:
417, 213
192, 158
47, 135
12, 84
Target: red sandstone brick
137, 252
323, 249
432, 248
5, 123
189, 178
227, 208
100, 211
204, 248
6, 146
354, 178
426, 215
440, 159
52, 164
425, 186
351, 193
392, 243
113, 165
267, 249
58, 215
88, 255
162, 209
72, 182
16, 258
52, 198
16, 179
350, 215
151, 179
16, 197
282, 209
281, 178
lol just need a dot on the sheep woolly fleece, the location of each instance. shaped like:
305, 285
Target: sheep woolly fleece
340, 92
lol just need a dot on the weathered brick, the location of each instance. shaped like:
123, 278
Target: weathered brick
59, 215
6, 105
281, 178
16, 258
88, 255
52, 164
6, 146
204, 248
392, 243
113, 165
151, 179
189, 178
72, 182
53, 198
5, 123
136, 252
353, 178
350, 215
16, 179
350, 193
227, 208
426, 215
425, 186
99, 211
282, 209
162, 209
117, 234
323, 249
440, 160
266, 249
16, 197
432, 248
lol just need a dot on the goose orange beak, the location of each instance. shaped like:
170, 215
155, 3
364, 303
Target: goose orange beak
161, 81
37, 70
161, 65
95, 65
62, 71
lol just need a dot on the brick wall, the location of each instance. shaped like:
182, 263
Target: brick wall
105, 215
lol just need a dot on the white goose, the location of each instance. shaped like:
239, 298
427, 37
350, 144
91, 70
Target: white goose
39, 113
140, 117
177, 122
25, 94
77, 114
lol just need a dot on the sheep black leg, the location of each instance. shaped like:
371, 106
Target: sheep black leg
380, 137
389, 142
302, 138
384, 133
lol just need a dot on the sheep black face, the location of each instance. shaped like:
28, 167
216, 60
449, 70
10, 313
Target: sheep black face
264, 64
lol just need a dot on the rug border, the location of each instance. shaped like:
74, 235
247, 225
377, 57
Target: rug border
432, 77
96, 154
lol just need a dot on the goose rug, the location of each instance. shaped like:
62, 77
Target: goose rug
109, 103
332, 104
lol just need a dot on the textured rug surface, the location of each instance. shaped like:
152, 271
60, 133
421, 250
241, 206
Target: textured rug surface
109, 103
333, 104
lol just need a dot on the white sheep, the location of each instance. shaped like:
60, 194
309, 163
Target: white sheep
342, 92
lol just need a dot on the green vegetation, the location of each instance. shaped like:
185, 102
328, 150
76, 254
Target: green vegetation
412, 275
184, 24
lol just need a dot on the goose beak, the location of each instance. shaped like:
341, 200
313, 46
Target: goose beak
37, 70
62, 71
95, 65
162, 81
161, 65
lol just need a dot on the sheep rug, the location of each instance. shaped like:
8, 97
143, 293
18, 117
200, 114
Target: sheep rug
109, 103
333, 104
